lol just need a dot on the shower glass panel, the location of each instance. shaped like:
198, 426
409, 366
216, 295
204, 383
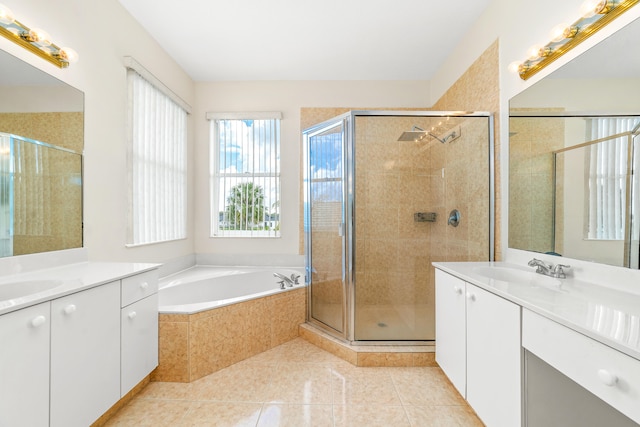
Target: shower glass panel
324, 207
380, 186
40, 197
406, 183
6, 199
634, 249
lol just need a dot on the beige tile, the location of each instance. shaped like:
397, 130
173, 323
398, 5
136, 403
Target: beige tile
300, 383
167, 390
222, 414
173, 352
385, 359
425, 387
442, 416
359, 386
241, 382
296, 415
369, 415
152, 413
425, 359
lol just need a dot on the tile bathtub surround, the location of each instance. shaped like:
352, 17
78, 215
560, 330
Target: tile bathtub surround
195, 345
299, 384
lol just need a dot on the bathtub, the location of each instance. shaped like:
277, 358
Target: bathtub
213, 317
203, 288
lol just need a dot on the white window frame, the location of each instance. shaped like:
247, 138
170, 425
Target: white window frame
254, 176
157, 160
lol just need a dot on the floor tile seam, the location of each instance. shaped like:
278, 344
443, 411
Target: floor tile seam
400, 398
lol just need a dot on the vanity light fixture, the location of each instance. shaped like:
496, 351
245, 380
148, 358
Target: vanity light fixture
34, 40
595, 14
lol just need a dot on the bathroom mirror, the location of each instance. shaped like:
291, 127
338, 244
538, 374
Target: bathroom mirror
41, 144
573, 147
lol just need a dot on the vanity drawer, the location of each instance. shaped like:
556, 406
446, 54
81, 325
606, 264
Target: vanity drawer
134, 288
609, 374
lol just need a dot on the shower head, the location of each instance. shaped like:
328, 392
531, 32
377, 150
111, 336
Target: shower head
413, 135
417, 134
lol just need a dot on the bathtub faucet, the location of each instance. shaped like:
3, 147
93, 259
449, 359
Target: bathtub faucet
284, 279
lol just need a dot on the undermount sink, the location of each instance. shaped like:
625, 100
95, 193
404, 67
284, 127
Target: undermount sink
517, 276
22, 289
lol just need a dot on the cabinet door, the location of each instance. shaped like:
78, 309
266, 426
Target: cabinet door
85, 355
494, 358
450, 328
139, 324
24, 366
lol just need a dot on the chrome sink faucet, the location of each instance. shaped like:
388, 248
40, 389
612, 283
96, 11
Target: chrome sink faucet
542, 267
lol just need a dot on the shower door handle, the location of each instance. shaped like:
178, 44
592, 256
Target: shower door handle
341, 230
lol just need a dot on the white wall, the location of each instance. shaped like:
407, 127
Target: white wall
102, 32
287, 97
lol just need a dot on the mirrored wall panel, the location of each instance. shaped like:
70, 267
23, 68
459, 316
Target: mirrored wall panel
573, 150
41, 144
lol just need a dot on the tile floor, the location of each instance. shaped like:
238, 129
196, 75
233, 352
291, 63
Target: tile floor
298, 384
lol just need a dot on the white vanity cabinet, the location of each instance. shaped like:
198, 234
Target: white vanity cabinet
139, 329
24, 366
85, 355
478, 347
610, 375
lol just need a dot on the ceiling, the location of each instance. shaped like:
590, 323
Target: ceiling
215, 40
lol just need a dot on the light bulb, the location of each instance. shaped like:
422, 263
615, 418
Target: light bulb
558, 32
534, 52
37, 35
593, 7
69, 55
6, 16
514, 67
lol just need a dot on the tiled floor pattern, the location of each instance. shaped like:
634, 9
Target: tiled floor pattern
298, 384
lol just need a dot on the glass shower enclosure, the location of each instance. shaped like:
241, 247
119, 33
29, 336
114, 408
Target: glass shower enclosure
386, 193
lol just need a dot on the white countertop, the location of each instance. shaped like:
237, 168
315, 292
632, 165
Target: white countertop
608, 315
72, 277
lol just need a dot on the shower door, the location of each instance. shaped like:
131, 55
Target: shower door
325, 225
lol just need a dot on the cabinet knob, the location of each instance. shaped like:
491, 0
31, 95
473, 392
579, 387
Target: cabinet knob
457, 290
71, 308
471, 297
38, 321
144, 285
607, 377
132, 315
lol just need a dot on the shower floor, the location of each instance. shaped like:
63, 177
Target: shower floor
384, 322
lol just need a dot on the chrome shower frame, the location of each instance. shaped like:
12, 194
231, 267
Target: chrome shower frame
348, 229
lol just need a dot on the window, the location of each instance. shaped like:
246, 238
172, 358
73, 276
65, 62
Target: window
606, 162
245, 174
158, 160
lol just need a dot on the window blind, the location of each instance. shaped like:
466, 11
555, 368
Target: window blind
158, 164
